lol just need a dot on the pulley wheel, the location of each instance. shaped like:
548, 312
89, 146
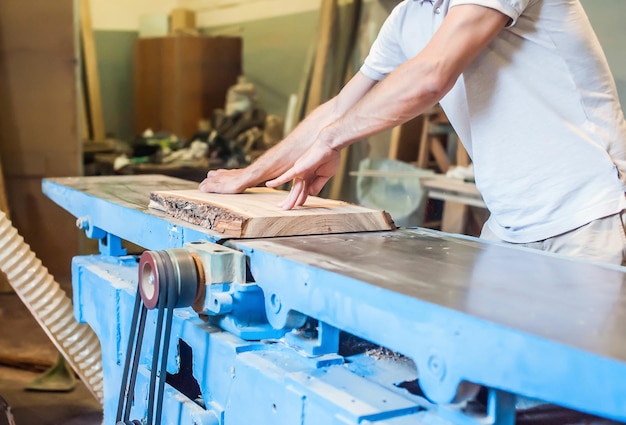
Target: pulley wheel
151, 271
159, 269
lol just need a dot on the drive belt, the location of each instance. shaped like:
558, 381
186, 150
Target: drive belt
167, 280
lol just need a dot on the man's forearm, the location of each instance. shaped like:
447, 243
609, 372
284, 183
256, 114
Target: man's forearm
421, 82
391, 103
282, 156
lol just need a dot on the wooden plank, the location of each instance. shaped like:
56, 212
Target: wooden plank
96, 116
462, 157
304, 87
453, 186
337, 182
464, 210
83, 119
255, 213
4, 204
147, 70
5, 287
39, 135
463, 219
326, 36
405, 140
439, 153
455, 216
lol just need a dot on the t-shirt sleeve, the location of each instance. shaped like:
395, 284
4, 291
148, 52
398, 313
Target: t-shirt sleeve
511, 8
385, 55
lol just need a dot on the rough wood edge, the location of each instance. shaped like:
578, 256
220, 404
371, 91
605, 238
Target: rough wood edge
207, 216
389, 220
218, 218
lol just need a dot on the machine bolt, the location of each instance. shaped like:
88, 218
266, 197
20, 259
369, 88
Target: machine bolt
82, 223
275, 303
437, 366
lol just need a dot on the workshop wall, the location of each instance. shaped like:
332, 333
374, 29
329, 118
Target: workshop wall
123, 15
39, 122
114, 49
607, 18
116, 27
277, 36
277, 39
275, 51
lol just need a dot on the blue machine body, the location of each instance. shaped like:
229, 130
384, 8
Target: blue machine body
444, 309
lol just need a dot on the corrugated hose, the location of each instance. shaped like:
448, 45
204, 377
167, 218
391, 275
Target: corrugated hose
51, 307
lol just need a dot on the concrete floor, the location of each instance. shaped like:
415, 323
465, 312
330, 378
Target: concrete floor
21, 336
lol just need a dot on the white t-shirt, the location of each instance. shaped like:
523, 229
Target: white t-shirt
537, 111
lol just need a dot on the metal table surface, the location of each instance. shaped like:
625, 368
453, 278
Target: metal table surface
575, 302
525, 321
113, 202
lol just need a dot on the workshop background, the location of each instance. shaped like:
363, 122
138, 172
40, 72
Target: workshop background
95, 87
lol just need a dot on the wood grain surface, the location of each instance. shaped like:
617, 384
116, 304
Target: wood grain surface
255, 213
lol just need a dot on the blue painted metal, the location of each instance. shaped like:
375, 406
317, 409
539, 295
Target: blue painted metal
325, 342
245, 317
242, 382
111, 245
448, 346
226, 298
108, 243
458, 313
119, 206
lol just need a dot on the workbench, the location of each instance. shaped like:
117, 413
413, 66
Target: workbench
394, 327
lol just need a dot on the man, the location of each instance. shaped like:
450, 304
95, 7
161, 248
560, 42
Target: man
527, 88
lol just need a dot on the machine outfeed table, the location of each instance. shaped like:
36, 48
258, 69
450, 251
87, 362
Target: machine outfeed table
409, 326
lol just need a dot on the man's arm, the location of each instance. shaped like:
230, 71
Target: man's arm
417, 85
408, 91
281, 157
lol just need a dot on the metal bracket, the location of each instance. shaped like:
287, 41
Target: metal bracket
500, 408
326, 342
111, 245
108, 244
229, 301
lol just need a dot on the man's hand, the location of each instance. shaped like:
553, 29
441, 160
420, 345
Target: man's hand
297, 144
309, 174
225, 181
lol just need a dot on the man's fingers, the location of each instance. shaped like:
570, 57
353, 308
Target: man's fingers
304, 193
204, 186
297, 195
317, 185
293, 196
222, 181
282, 179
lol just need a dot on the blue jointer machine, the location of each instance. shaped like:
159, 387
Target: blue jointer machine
409, 326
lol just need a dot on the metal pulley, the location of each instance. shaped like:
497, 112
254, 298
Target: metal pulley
167, 280
160, 269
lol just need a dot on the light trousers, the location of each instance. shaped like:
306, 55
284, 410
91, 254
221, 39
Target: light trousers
602, 240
